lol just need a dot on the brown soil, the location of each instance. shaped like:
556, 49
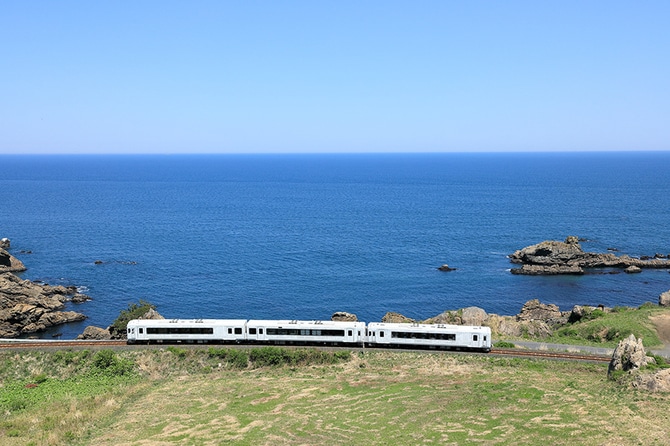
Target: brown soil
662, 324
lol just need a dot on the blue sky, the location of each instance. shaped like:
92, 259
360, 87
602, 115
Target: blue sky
333, 76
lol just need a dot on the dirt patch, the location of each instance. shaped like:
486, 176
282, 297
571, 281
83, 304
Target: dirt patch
662, 324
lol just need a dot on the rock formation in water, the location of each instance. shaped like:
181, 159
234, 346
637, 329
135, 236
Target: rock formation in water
9, 263
29, 307
554, 257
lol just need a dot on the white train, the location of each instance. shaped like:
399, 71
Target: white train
374, 334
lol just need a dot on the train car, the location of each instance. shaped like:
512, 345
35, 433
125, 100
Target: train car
305, 332
429, 336
186, 330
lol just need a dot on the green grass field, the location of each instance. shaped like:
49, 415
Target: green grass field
205, 397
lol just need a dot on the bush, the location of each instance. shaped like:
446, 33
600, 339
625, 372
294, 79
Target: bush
276, 356
236, 358
134, 311
178, 352
504, 344
108, 363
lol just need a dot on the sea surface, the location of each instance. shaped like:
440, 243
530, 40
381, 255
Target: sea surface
303, 236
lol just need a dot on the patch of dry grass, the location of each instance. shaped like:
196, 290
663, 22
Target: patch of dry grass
396, 398
375, 398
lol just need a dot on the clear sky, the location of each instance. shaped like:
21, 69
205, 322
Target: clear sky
251, 76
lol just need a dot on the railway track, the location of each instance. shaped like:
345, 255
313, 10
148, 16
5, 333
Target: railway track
41, 343
549, 355
48, 344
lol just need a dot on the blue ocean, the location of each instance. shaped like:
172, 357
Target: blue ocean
303, 236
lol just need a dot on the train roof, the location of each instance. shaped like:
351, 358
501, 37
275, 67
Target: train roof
164, 322
423, 327
289, 323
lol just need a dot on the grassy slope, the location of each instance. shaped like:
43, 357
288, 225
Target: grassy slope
606, 329
190, 398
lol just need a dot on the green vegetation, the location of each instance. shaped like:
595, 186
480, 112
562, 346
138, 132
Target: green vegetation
133, 311
504, 344
607, 329
213, 395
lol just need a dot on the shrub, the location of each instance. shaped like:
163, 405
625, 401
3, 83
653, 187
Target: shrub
234, 357
108, 363
276, 356
133, 311
40, 378
504, 344
178, 352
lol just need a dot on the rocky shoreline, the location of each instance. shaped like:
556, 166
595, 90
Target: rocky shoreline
28, 307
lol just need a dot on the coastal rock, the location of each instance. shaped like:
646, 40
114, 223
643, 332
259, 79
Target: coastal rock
534, 310
151, 314
29, 307
391, 317
629, 355
9, 263
5, 243
664, 299
549, 253
554, 257
95, 333
343, 316
632, 270
547, 270
654, 382
464, 316
584, 311
446, 267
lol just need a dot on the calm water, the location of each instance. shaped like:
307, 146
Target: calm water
303, 236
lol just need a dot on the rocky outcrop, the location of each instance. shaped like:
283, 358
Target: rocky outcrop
391, 318
95, 334
29, 307
5, 243
465, 316
664, 299
653, 382
629, 356
343, 316
534, 310
9, 263
568, 257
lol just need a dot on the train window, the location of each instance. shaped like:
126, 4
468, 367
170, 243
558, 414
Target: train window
350, 333
260, 331
141, 330
381, 334
238, 330
230, 331
252, 331
475, 338
423, 335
